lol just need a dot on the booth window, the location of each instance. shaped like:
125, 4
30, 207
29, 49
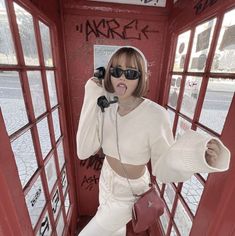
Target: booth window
202, 86
32, 111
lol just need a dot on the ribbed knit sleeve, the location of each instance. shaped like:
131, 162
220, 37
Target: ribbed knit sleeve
177, 161
89, 126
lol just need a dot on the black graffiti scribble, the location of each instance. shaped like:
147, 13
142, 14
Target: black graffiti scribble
148, 1
201, 5
94, 162
111, 29
89, 182
55, 201
45, 226
36, 196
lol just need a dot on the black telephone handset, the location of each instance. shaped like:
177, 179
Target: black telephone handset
102, 101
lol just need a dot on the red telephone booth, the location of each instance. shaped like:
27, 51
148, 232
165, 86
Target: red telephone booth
49, 49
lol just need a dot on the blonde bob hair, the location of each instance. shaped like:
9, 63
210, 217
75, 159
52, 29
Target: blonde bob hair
133, 57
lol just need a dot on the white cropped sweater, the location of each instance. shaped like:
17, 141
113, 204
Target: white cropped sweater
143, 134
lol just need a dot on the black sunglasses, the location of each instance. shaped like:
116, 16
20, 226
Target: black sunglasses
130, 74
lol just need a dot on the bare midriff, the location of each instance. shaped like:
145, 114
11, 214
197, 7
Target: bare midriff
133, 171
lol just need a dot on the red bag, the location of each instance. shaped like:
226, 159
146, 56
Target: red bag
146, 210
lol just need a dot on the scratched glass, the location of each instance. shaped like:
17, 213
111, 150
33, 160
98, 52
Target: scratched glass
60, 225
27, 35
37, 93
35, 201
191, 192
7, 50
67, 203
45, 228
55, 202
218, 98
190, 97
64, 180
224, 57
182, 219
44, 137
25, 157
169, 196
46, 44
181, 51
12, 101
56, 123
164, 219
201, 45
174, 90
51, 175
51, 88
60, 153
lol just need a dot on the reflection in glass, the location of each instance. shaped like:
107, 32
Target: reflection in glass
181, 51
56, 123
169, 195
60, 225
46, 44
51, 88
182, 220
174, 90
224, 58
192, 192
7, 50
25, 157
45, 226
201, 45
51, 175
216, 104
27, 35
36, 90
44, 137
12, 101
35, 201
182, 126
190, 97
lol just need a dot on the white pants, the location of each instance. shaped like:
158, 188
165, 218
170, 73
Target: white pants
116, 201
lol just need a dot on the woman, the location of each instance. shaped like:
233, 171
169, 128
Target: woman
132, 132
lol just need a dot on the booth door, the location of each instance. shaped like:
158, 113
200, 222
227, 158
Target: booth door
35, 189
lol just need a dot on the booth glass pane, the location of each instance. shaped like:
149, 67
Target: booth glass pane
60, 225
45, 228
56, 123
201, 46
174, 90
52, 88
67, 203
224, 57
182, 220
182, 126
25, 157
56, 202
44, 137
46, 44
169, 196
181, 51
60, 152
51, 175
35, 201
190, 97
64, 180
37, 93
219, 95
12, 101
7, 50
172, 117
27, 35
191, 192
164, 219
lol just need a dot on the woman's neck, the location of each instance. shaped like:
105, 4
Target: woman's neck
125, 105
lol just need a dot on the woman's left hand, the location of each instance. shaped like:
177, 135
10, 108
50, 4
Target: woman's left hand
212, 152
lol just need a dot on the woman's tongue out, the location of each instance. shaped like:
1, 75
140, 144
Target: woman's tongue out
121, 89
